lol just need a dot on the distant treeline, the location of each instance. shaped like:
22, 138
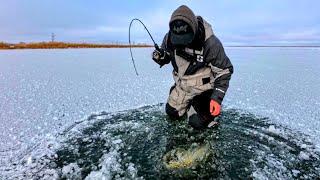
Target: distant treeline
63, 45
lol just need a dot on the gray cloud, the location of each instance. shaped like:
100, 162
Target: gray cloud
233, 21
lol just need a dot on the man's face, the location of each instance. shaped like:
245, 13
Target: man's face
181, 33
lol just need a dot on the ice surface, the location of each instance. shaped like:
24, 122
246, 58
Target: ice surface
42, 92
304, 156
131, 144
71, 171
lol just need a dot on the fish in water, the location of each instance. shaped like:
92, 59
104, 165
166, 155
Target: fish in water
180, 158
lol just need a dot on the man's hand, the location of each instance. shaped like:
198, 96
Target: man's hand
158, 55
215, 108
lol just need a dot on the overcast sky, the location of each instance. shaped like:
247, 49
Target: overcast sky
235, 22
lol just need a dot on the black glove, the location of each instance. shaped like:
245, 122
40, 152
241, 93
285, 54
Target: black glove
159, 56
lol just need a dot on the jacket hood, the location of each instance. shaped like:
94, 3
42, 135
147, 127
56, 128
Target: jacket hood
185, 14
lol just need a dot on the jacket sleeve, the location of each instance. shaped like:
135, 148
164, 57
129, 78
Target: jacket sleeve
221, 67
167, 50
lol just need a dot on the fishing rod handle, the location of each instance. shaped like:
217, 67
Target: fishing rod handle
157, 47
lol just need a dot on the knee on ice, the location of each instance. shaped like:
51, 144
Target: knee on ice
172, 112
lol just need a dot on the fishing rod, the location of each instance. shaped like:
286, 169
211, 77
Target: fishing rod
154, 43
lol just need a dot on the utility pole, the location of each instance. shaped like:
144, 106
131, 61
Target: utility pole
53, 37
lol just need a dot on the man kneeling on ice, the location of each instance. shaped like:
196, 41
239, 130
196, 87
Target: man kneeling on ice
202, 70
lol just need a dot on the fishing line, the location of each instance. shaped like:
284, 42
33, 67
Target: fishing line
154, 43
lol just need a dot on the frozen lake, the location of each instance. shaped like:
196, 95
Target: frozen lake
45, 93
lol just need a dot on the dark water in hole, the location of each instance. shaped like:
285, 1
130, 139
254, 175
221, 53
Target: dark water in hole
131, 144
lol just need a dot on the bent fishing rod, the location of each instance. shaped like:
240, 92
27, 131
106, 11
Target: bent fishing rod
130, 46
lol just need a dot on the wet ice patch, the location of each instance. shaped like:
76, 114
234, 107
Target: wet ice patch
272, 129
71, 171
110, 164
131, 145
108, 167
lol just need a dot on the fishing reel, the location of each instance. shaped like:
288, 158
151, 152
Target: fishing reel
158, 53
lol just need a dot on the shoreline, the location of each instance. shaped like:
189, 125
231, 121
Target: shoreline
64, 45
275, 46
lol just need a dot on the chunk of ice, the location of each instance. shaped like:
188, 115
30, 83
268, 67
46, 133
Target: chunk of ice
304, 156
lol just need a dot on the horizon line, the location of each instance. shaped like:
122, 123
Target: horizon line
151, 45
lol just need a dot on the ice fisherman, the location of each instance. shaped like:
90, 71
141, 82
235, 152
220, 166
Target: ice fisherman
202, 70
